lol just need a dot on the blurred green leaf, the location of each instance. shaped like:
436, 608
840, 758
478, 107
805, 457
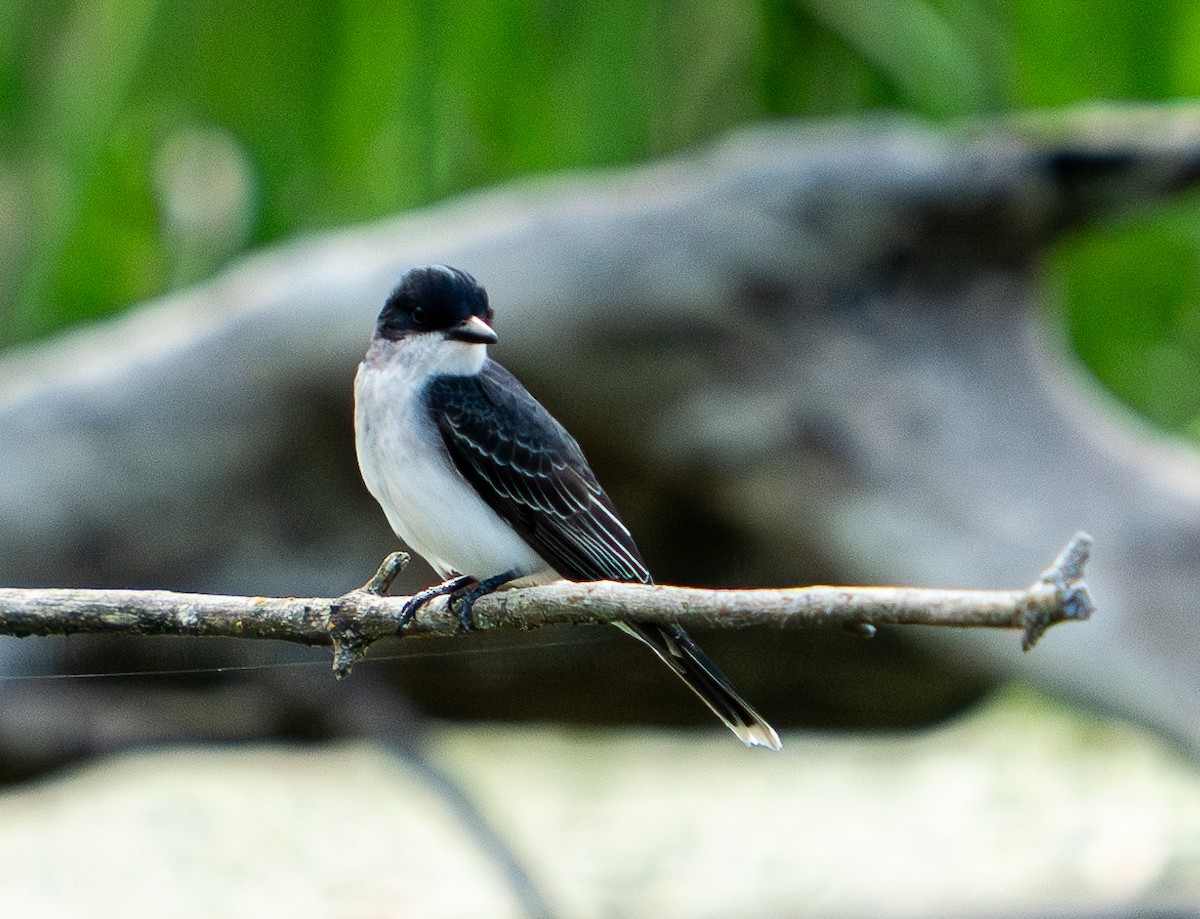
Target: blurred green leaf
80, 83
1131, 294
914, 45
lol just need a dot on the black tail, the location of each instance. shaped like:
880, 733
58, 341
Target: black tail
681, 654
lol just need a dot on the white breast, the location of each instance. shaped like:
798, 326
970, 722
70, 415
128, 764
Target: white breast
427, 501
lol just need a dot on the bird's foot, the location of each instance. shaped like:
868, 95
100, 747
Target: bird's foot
419, 599
464, 602
381, 580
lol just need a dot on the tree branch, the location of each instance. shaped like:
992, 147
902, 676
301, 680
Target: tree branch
351, 623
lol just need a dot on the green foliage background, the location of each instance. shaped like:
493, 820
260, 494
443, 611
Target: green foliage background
145, 142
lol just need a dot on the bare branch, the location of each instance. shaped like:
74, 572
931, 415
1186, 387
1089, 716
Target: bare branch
350, 623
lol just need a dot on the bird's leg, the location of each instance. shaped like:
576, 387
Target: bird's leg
464, 602
420, 598
381, 580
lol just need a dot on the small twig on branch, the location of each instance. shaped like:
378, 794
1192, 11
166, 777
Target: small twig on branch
351, 623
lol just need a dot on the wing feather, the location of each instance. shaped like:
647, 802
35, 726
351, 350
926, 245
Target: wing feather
532, 473
539, 481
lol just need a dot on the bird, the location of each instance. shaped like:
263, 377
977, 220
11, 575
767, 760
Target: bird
478, 478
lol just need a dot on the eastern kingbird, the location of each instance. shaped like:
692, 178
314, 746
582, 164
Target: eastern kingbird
476, 476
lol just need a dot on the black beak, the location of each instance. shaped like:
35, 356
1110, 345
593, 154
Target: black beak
475, 331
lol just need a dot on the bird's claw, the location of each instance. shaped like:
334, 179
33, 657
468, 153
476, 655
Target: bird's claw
407, 611
462, 607
414, 603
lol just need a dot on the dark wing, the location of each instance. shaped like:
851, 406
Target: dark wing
532, 473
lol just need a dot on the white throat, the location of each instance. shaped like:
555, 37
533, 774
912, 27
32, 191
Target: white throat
427, 354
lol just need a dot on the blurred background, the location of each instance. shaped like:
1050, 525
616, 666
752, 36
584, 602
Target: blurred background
145, 144
229, 176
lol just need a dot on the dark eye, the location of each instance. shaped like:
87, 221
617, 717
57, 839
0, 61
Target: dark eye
419, 314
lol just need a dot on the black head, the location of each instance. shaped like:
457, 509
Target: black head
437, 298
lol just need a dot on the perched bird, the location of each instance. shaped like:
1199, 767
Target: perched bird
476, 476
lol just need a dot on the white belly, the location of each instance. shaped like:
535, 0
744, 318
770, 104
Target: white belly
427, 501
